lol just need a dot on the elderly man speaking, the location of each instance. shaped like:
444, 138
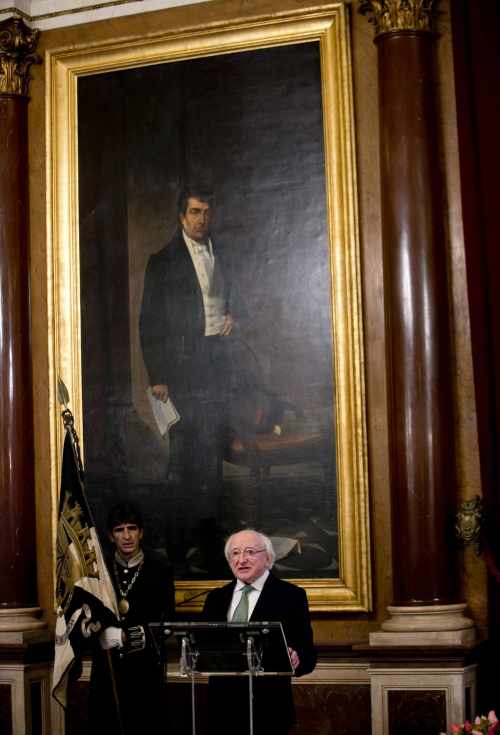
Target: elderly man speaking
256, 594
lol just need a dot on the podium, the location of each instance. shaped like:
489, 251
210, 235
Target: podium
227, 649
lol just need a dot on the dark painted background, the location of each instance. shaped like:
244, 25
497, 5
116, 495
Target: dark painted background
249, 124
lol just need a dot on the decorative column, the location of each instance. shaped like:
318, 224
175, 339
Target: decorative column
426, 608
18, 591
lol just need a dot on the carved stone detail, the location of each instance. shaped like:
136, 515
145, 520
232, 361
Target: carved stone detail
17, 54
469, 521
398, 15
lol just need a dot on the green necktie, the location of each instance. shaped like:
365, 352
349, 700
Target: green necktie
240, 615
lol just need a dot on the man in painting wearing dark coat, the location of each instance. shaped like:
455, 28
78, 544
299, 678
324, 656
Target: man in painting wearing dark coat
144, 589
264, 597
185, 320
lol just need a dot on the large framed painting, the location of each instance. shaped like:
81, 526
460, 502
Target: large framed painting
258, 115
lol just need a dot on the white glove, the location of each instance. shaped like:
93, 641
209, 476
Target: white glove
111, 638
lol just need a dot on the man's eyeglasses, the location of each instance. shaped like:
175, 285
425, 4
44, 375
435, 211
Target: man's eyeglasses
248, 552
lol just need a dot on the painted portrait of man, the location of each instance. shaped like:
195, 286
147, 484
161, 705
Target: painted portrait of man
206, 282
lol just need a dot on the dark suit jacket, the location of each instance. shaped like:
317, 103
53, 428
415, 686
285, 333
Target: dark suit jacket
172, 316
273, 706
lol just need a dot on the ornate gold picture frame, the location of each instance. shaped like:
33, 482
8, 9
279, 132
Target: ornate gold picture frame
349, 588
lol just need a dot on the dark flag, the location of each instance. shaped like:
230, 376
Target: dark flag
86, 600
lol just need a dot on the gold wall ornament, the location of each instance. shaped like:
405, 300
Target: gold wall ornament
398, 15
469, 521
17, 54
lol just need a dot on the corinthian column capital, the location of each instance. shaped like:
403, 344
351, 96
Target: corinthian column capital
17, 54
398, 15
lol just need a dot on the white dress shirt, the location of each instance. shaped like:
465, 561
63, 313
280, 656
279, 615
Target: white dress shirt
253, 596
203, 259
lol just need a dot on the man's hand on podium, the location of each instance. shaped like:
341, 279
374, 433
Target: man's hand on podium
294, 658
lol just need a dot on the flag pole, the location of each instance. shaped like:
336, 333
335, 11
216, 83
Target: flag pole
115, 692
69, 425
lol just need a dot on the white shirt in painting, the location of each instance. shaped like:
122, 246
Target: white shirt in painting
203, 259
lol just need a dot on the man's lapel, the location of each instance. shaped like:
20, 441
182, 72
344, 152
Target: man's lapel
227, 596
260, 609
217, 285
184, 267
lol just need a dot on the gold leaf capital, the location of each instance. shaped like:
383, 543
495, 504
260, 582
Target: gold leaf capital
17, 54
398, 15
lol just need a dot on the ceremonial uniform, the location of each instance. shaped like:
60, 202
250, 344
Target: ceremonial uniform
145, 593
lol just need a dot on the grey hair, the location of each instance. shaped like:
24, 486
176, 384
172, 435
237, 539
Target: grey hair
265, 540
